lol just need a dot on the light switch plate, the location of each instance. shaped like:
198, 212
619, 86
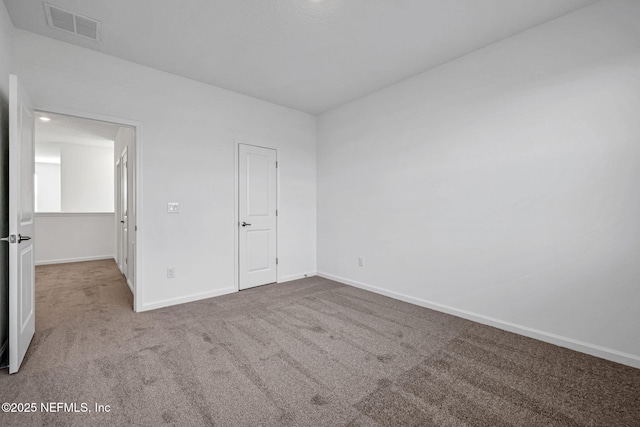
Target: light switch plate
173, 207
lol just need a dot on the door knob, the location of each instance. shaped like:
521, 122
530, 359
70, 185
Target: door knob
21, 238
244, 224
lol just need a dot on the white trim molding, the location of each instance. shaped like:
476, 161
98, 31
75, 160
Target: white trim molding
72, 214
68, 260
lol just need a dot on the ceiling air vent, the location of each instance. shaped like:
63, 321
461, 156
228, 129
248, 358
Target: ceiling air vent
71, 22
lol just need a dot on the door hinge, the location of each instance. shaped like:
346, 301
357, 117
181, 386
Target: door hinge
11, 238
276, 212
276, 261
276, 164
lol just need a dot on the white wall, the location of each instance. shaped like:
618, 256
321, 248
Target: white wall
86, 178
82, 181
189, 133
71, 237
48, 187
502, 186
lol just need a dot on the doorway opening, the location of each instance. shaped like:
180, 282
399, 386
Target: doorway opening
85, 192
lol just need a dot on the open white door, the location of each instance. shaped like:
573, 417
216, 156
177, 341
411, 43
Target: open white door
21, 225
257, 216
118, 227
124, 213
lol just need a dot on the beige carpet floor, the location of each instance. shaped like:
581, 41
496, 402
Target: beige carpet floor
307, 353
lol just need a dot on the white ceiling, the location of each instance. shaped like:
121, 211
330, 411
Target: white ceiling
311, 55
62, 129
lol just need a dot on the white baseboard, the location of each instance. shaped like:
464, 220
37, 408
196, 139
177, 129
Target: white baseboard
570, 343
296, 276
188, 298
80, 259
130, 286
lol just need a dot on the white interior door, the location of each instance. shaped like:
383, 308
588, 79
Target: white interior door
257, 203
117, 229
21, 225
124, 214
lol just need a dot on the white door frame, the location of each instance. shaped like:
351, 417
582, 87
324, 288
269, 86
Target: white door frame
236, 212
138, 252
